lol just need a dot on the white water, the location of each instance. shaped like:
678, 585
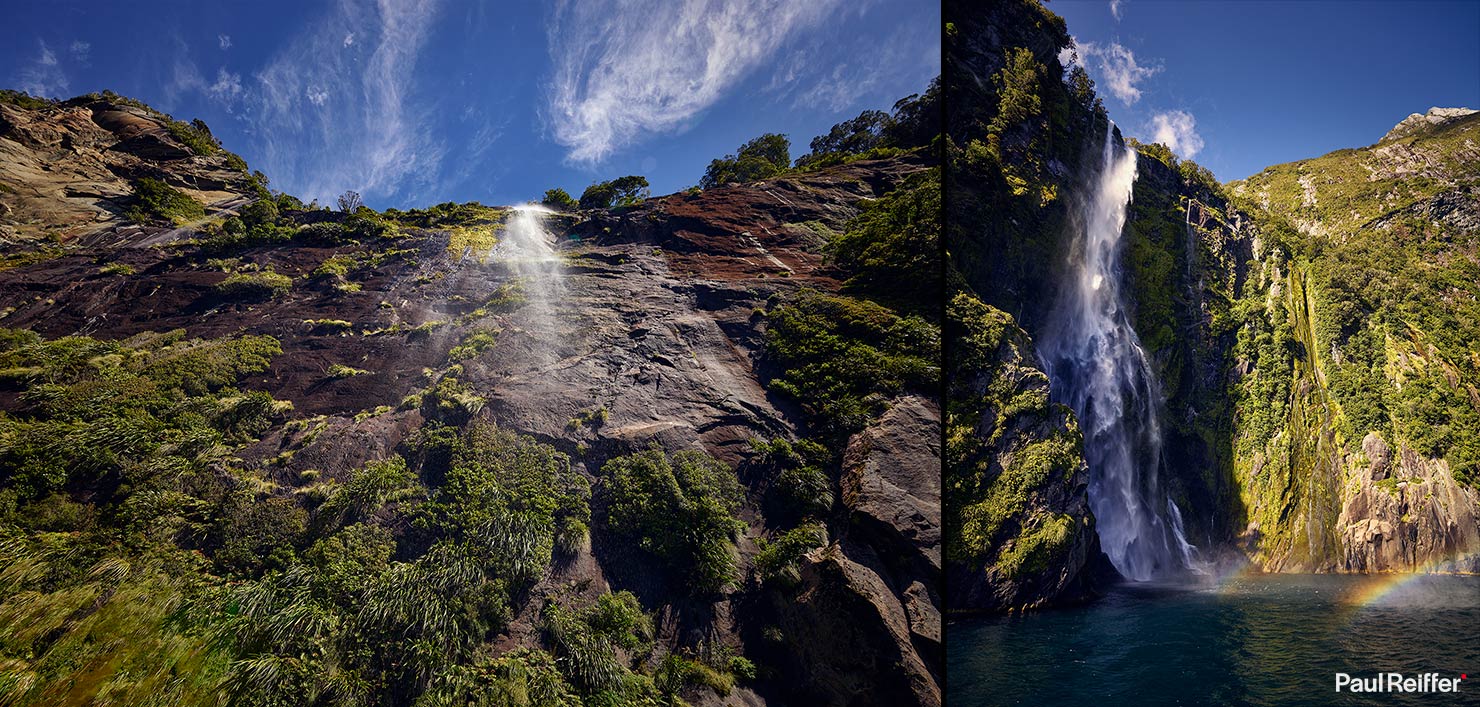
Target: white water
527, 248
1098, 368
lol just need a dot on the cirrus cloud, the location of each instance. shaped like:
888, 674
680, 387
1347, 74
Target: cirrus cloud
625, 69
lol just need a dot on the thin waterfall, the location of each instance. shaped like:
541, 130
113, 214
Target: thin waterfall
527, 248
1098, 368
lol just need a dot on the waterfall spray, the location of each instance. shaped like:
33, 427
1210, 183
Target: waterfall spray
528, 250
1097, 367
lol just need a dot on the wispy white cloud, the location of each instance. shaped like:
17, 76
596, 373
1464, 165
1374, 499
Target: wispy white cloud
44, 76
1178, 131
80, 51
1115, 9
224, 40
335, 111
1118, 68
227, 88
627, 69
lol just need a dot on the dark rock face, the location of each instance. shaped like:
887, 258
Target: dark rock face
1020, 531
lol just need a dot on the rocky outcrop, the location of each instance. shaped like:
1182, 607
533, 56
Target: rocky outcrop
860, 639
1404, 513
66, 170
1020, 531
1416, 122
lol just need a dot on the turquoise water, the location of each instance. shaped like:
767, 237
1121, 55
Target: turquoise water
1253, 640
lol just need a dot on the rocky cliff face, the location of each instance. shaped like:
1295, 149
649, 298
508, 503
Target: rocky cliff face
1020, 531
1361, 259
66, 170
649, 329
1302, 322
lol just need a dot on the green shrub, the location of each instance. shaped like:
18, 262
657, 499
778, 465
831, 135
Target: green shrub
157, 201
558, 198
339, 370
472, 345
507, 496
742, 668
259, 212
892, 249
677, 673
622, 191
681, 508
842, 358
777, 562
196, 135
117, 269
255, 285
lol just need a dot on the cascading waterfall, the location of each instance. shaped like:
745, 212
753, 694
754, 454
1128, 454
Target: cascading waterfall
1097, 367
527, 248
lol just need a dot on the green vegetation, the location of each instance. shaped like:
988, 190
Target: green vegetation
144, 563
797, 486
157, 201
116, 269
765, 156
195, 135
329, 326
681, 508
1027, 448
622, 191
1393, 310
473, 344
255, 285
21, 99
841, 358
778, 559
339, 370
893, 247
558, 198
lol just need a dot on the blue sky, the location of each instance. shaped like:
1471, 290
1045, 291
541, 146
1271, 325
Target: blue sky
1239, 86
413, 102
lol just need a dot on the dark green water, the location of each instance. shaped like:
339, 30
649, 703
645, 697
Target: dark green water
1256, 640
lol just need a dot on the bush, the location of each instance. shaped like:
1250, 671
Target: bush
157, 201
765, 156
506, 496
892, 249
854, 136
622, 191
259, 212
255, 285
778, 559
558, 198
681, 508
842, 358
798, 484
196, 135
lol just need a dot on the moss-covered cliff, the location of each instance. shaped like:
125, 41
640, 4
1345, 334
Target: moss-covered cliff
1315, 328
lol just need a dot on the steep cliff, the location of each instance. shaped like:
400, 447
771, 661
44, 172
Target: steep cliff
1313, 328
296, 454
1367, 268
1021, 534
